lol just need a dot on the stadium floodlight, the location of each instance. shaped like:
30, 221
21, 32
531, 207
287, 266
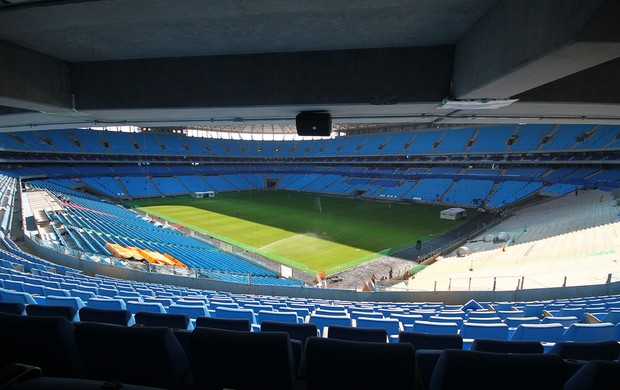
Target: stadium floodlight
477, 104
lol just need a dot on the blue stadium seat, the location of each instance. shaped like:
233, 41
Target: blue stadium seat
56, 292
324, 321
589, 332
481, 314
408, 320
549, 333
278, 316
232, 313
514, 322
151, 307
484, 320
564, 321
503, 314
471, 331
425, 313
33, 289
447, 319
192, 311
354, 314
74, 302
611, 316
15, 285
83, 295
436, 327
105, 303
392, 326
16, 296
533, 310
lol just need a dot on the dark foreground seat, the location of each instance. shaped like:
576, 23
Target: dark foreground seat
241, 360
45, 342
459, 369
595, 374
431, 340
507, 346
428, 347
601, 350
238, 324
299, 332
341, 364
25, 377
106, 316
67, 312
169, 320
16, 308
373, 335
136, 355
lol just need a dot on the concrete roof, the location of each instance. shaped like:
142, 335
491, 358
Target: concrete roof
123, 29
69, 63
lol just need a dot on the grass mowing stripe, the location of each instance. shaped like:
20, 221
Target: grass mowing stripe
288, 226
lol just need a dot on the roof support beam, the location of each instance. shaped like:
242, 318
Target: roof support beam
523, 44
315, 79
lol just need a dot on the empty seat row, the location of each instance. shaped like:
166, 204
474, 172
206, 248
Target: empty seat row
216, 358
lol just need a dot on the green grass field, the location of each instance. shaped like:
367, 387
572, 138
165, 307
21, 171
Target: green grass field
306, 231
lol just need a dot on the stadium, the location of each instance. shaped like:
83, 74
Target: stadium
309, 194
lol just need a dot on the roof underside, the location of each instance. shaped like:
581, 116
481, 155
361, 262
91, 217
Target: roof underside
157, 63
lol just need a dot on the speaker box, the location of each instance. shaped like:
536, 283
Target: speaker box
312, 123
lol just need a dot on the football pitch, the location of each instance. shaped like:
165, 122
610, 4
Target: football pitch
311, 232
